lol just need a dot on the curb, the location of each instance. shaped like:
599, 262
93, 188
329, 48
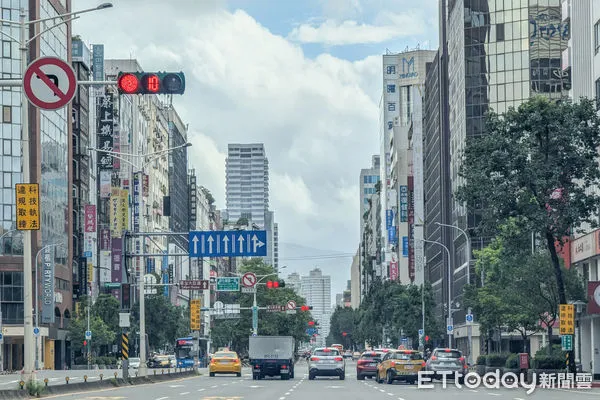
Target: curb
96, 385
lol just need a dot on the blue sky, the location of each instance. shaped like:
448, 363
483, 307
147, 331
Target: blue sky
304, 77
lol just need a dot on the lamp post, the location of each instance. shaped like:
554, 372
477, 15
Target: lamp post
37, 309
24, 42
449, 288
2, 237
466, 235
578, 309
147, 159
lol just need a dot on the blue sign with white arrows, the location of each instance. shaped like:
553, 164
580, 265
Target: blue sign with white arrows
228, 243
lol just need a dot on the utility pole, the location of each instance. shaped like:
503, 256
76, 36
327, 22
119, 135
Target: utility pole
89, 341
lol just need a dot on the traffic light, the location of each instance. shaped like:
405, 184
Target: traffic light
305, 308
311, 323
84, 343
151, 82
427, 338
275, 284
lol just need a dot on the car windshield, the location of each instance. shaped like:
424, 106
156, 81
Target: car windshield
327, 352
449, 354
225, 355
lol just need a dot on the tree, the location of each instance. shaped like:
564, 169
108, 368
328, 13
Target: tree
235, 333
343, 320
107, 307
519, 289
164, 321
536, 163
102, 334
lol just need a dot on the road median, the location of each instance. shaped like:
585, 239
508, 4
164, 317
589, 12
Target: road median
29, 391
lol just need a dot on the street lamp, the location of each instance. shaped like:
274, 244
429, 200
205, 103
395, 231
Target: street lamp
578, 309
24, 42
449, 287
2, 237
146, 159
466, 235
37, 308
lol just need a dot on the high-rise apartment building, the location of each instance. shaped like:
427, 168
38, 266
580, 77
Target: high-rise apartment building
402, 167
294, 282
369, 177
247, 192
316, 290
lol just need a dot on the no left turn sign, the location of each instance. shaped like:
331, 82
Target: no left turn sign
49, 83
291, 305
249, 280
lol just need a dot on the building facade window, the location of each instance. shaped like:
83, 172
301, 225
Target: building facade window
597, 37
597, 93
391, 88
6, 49
391, 106
390, 69
6, 114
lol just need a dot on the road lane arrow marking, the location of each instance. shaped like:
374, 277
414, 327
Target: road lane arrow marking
257, 243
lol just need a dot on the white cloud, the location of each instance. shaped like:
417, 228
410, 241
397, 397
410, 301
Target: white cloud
334, 32
318, 118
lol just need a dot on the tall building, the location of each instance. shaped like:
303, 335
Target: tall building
493, 55
316, 289
50, 148
294, 282
247, 192
402, 168
369, 177
581, 61
355, 281
84, 180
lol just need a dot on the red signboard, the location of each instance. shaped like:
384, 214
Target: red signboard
523, 361
393, 271
90, 218
146, 184
193, 284
593, 297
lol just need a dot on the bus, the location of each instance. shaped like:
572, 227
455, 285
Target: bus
339, 347
184, 352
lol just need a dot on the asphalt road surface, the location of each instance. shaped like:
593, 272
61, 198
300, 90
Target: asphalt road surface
232, 388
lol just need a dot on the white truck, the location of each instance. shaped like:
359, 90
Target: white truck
271, 356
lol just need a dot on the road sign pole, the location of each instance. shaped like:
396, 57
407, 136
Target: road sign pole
254, 316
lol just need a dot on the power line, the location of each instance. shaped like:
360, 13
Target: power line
326, 256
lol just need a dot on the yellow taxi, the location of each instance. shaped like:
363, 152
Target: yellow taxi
225, 362
400, 365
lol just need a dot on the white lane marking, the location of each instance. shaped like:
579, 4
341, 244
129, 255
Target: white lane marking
282, 398
201, 390
162, 398
382, 391
400, 398
175, 386
225, 384
184, 393
494, 394
474, 391
518, 398
390, 394
212, 387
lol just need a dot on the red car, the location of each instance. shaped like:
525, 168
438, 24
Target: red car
367, 364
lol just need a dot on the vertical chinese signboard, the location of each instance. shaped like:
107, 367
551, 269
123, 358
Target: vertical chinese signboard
105, 131
87, 275
195, 306
48, 285
116, 220
28, 206
403, 194
411, 231
567, 319
116, 272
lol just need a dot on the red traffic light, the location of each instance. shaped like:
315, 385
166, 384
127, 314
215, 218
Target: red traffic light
270, 284
128, 83
275, 284
344, 334
311, 323
85, 342
427, 338
305, 308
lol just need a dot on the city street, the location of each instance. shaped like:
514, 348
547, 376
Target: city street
300, 388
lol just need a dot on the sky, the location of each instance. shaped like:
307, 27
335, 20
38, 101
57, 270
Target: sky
304, 77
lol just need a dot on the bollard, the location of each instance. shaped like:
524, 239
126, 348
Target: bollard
46, 381
101, 376
162, 371
22, 384
115, 375
154, 372
67, 379
85, 378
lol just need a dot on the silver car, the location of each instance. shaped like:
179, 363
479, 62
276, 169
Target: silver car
326, 361
447, 361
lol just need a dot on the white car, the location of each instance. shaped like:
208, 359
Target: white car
134, 363
326, 361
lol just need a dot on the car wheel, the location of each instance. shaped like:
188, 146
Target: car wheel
238, 374
311, 377
369, 376
389, 378
342, 376
212, 374
360, 377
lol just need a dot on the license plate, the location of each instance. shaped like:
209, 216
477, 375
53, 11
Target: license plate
285, 371
372, 364
408, 367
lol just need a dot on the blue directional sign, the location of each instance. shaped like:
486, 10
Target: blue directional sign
420, 332
311, 331
228, 243
36, 331
469, 318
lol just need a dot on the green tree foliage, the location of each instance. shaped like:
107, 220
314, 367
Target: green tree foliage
164, 321
534, 164
235, 332
519, 288
344, 319
102, 334
389, 305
